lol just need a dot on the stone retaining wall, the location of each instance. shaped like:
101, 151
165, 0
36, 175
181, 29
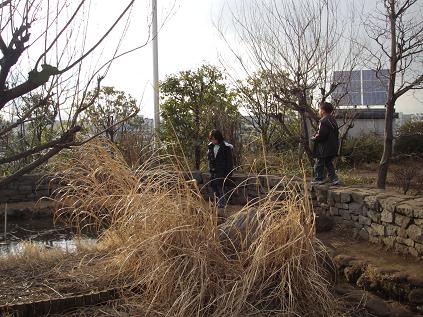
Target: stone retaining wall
387, 218
26, 188
381, 217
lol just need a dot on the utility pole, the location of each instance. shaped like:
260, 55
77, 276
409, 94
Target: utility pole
155, 69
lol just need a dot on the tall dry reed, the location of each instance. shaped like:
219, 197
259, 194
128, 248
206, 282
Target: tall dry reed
164, 242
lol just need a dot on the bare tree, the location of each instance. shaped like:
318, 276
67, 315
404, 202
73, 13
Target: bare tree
302, 38
397, 30
48, 62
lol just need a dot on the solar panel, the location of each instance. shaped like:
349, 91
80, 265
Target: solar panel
361, 87
375, 87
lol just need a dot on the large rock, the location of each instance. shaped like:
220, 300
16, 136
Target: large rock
238, 232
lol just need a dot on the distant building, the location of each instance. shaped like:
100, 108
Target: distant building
417, 117
365, 121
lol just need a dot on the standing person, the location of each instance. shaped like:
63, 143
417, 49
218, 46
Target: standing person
326, 144
220, 159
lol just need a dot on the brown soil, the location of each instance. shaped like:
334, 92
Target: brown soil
26, 280
340, 241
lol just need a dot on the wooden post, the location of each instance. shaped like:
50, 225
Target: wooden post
5, 222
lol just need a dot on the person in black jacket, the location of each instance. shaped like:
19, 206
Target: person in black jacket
220, 159
326, 144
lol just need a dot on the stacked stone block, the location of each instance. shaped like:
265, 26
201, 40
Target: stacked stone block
26, 188
391, 219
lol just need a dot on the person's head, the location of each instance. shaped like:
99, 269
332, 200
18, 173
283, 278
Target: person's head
325, 108
216, 137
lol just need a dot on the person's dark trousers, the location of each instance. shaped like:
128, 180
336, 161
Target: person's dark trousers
319, 169
219, 191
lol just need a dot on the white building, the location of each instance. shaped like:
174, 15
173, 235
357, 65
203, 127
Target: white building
365, 121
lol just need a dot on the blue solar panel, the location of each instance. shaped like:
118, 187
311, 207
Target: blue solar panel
361, 87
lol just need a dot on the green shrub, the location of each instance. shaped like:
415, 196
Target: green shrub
410, 138
367, 148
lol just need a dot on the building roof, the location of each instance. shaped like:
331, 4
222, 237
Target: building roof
363, 113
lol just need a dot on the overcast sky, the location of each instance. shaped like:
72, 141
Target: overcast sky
187, 39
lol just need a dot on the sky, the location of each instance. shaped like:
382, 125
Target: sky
188, 38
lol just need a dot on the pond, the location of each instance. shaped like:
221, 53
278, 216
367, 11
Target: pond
42, 232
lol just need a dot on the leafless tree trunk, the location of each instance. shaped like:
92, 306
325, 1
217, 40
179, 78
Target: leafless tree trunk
397, 31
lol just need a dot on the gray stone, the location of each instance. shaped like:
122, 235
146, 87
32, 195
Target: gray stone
334, 196
324, 223
405, 209
364, 234
364, 220
345, 197
371, 202
321, 199
415, 232
355, 207
387, 216
345, 214
359, 195
390, 202
341, 206
364, 211
354, 218
375, 240
419, 248
407, 242
401, 248
377, 307
402, 221
378, 229
402, 233
418, 211
416, 296
389, 241
391, 230
418, 222
358, 226
333, 211
374, 215
413, 251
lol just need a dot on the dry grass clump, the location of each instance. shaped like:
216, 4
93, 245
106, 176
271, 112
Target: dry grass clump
165, 244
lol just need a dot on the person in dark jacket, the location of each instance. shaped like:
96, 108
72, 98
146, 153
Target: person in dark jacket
326, 144
221, 164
